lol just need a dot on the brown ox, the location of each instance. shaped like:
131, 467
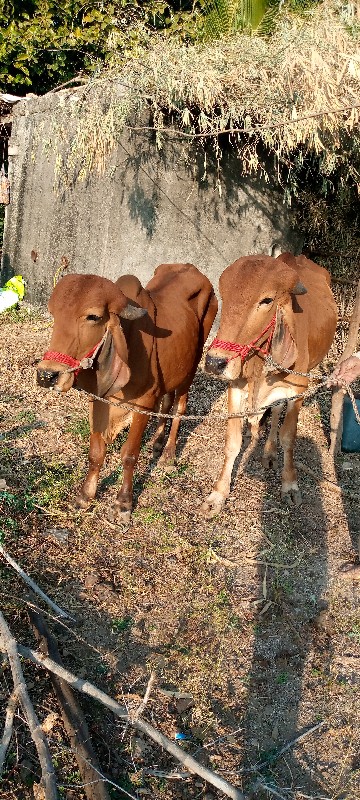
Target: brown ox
284, 306
148, 357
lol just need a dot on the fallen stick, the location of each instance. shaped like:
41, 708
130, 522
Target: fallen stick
140, 710
298, 739
48, 779
8, 727
33, 585
120, 711
336, 414
73, 717
269, 789
334, 487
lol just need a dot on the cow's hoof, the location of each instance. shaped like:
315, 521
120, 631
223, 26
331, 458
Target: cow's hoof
119, 515
158, 448
212, 505
291, 495
81, 502
269, 461
167, 462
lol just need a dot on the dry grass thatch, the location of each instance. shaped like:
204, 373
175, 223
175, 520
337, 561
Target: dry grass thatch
298, 87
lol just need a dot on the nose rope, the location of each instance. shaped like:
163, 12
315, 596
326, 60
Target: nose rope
243, 350
74, 364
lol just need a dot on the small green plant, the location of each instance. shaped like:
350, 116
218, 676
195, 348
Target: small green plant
17, 502
79, 427
53, 484
28, 416
282, 678
150, 516
122, 625
355, 633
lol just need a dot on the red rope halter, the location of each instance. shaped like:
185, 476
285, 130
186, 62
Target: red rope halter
74, 363
243, 350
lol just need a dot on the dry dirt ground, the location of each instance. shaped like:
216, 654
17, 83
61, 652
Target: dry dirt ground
255, 614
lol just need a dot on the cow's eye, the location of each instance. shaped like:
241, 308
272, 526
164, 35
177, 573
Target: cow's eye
93, 318
266, 301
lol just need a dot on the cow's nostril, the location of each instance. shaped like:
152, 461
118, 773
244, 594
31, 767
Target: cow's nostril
46, 377
215, 364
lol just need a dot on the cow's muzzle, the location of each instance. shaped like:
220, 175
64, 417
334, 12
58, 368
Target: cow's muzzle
47, 377
215, 365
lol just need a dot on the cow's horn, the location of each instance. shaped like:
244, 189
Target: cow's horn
299, 288
132, 312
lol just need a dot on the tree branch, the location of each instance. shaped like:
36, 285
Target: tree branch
73, 717
33, 585
120, 711
48, 780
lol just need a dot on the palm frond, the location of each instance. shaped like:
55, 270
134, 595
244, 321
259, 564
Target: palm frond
226, 17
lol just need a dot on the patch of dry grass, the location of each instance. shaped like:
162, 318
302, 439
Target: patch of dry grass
255, 614
296, 88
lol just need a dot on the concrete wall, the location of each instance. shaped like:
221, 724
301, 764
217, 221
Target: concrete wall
150, 207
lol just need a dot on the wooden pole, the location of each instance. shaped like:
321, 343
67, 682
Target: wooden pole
336, 416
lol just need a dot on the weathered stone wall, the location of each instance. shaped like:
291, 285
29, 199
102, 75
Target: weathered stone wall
150, 207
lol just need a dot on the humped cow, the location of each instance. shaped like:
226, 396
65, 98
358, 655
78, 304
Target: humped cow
283, 307
124, 342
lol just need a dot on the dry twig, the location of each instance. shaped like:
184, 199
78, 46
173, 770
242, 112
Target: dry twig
334, 487
8, 727
141, 708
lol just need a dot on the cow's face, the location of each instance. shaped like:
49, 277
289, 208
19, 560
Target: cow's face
84, 309
253, 290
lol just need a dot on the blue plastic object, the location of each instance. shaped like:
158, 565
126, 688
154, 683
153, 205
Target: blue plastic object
350, 442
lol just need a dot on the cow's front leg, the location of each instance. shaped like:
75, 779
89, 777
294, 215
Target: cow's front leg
289, 486
270, 456
233, 441
97, 454
121, 512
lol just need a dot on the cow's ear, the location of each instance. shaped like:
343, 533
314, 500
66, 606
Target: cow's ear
283, 347
113, 372
120, 304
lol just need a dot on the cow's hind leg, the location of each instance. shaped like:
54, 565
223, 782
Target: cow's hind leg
289, 486
233, 442
159, 437
121, 512
270, 455
168, 456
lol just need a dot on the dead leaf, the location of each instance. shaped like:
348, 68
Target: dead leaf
49, 722
39, 792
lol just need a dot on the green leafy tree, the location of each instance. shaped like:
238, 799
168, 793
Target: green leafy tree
46, 42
